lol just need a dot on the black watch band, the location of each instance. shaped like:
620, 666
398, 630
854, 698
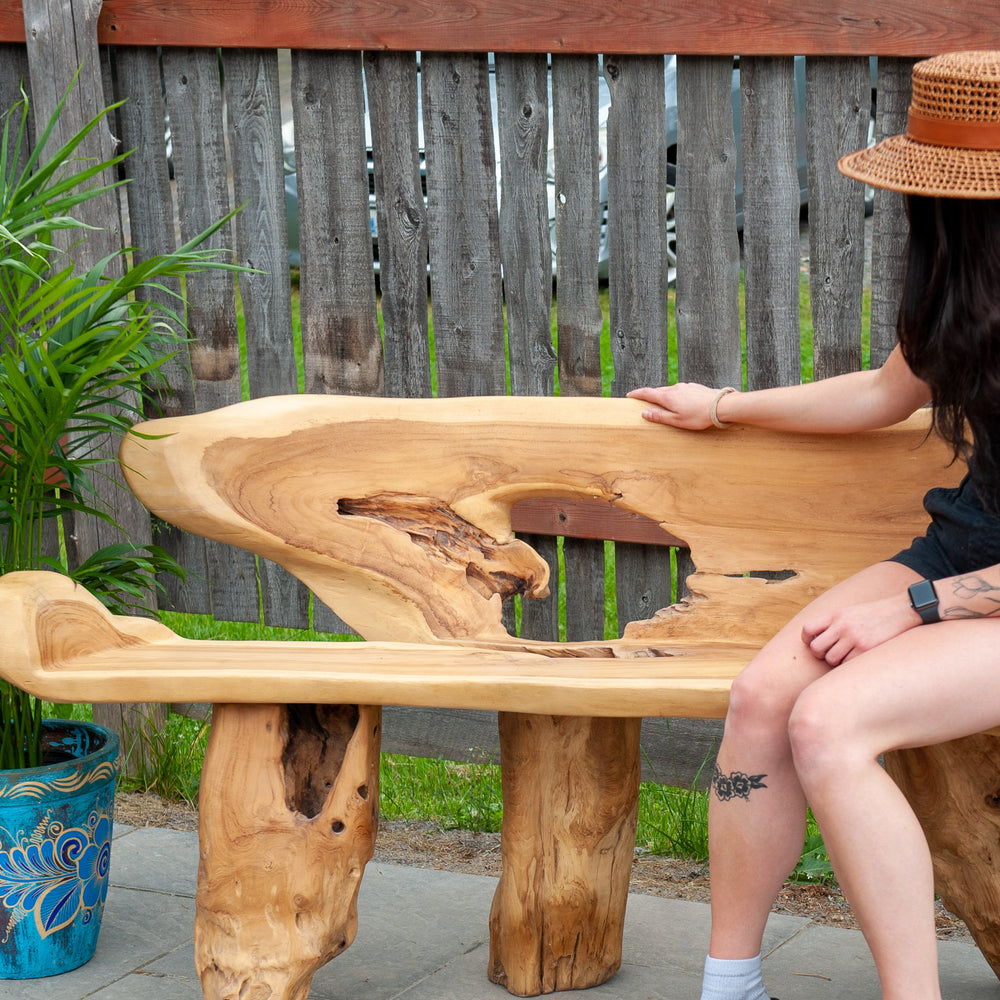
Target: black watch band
924, 600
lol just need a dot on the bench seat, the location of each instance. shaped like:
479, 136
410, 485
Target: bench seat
62, 645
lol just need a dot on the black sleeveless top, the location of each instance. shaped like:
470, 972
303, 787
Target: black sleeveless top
962, 537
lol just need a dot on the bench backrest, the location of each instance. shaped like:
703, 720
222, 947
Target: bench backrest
397, 513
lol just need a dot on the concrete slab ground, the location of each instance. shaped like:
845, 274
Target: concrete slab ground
423, 935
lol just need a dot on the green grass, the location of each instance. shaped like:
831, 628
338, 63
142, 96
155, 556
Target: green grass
671, 822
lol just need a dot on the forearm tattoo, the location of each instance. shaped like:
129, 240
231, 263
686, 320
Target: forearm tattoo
736, 785
967, 588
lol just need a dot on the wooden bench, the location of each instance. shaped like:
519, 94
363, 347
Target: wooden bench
397, 513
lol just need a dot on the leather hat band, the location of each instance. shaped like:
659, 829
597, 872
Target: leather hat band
956, 134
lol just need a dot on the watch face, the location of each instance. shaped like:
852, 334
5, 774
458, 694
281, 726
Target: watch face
924, 600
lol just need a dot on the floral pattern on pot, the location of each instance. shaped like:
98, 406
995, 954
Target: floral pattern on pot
55, 874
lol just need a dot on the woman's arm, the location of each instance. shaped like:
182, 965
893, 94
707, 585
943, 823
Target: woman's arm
842, 404
843, 634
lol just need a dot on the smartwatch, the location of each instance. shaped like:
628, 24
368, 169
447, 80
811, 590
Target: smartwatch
924, 600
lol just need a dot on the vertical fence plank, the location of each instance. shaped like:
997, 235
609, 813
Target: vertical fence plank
708, 252
526, 257
525, 248
837, 91
770, 222
62, 39
150, 203
193, 86
341, 343
463, 229
15, 78
151, 226
575, 98
889, 226
253, 103
463, 224
638, 277
393, 90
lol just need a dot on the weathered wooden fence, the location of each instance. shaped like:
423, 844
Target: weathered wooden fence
429, 113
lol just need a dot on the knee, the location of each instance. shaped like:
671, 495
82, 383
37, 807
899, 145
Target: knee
758, 709
820, 741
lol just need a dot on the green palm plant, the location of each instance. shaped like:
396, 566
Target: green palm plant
81, 350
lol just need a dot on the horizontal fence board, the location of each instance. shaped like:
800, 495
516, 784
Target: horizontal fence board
674, 751
710, 27
582, 517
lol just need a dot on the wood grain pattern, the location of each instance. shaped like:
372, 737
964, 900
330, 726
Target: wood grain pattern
576, 204
394, 109
463, 224
716, 27
251, 87
725, 493
575, 860
341, 343
287, 818
65, 647
890, 230
953, 789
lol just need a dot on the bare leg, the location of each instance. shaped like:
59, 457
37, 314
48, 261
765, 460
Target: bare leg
924, 687
756, 834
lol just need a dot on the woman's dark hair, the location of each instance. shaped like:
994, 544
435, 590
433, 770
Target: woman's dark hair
949, 326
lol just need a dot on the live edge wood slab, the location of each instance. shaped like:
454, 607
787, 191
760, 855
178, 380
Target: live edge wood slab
397, 514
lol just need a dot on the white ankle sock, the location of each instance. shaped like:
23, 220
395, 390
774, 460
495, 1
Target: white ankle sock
732, 979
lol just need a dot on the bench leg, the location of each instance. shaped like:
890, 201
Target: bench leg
954, 789
288, 811
570, 792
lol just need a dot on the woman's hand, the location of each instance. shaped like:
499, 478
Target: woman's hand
686, 404
839, 636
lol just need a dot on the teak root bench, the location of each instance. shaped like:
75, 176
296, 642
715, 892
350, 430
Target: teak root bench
397, 514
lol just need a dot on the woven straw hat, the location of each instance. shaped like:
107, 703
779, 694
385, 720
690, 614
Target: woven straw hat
951, 148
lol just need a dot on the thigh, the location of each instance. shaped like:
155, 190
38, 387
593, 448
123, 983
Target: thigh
930, 684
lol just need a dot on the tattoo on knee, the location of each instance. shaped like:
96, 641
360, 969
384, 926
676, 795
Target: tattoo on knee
735, 785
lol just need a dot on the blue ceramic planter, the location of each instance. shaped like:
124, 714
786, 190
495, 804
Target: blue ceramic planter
55, 847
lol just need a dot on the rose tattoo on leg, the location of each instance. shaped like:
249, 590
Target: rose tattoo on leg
736, 785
